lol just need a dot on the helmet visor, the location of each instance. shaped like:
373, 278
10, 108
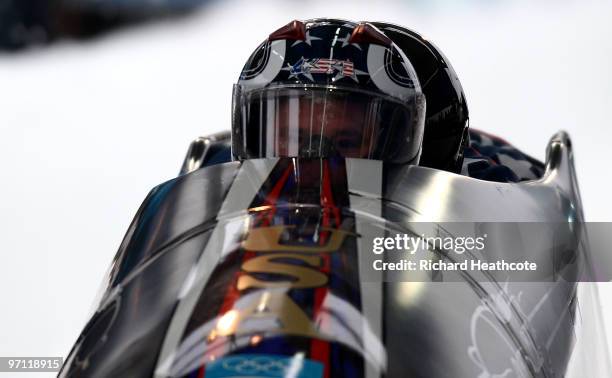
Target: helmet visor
324, 121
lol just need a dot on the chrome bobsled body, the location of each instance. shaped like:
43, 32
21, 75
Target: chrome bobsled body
262, 268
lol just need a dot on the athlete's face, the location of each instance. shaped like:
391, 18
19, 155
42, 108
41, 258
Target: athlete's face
311, 121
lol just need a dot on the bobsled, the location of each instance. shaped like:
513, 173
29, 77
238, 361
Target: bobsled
343, 228
251, 268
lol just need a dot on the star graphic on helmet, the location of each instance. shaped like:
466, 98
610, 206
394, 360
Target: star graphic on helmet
308, 40
301, 67
345, 41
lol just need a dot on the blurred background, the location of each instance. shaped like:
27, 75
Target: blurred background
99, 100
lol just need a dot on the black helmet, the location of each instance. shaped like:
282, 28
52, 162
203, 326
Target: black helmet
328, 87
446, 121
